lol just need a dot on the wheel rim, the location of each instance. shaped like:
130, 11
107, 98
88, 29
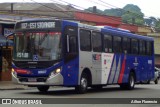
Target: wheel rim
132, 81
84, 83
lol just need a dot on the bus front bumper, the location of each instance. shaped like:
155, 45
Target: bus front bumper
52, 81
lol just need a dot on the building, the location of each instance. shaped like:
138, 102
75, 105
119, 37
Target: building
157, 47
6, 27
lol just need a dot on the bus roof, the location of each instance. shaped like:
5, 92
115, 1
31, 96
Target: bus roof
126, 34
109, 30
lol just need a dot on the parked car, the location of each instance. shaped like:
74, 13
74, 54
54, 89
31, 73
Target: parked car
156, 75
159, 72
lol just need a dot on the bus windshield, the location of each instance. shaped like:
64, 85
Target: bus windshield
37, 46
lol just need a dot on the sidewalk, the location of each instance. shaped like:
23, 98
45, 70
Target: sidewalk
8, 85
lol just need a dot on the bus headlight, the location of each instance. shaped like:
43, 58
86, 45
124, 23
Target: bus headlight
14, 72
56, 71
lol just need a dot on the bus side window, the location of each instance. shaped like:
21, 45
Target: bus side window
142, 47
71, 39
107, 43
126, 45
117, 44
71, 43
97, 42
149, 46
134, 46
85, 40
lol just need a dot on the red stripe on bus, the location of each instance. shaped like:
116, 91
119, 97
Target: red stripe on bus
122, 71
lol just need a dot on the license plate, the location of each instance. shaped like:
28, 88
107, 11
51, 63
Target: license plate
32, 80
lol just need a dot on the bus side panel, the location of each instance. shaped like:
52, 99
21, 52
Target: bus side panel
127, 65
142, 65
150, 67
135, 64
115, 69
71, 67
70, 72
145, 68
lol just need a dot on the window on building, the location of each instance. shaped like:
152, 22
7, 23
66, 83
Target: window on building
85, 40
96, 42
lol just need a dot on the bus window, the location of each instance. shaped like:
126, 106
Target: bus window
107, 43
117, 44
85, 40
142, 47
134, 46
72, 44
71, 39
126, 45
97, 42
149, 48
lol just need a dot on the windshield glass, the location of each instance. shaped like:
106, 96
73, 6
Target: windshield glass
38, 46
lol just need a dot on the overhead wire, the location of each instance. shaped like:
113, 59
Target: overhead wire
109, 17
138, 15
110, 5
62, 1
51, 8
143, 9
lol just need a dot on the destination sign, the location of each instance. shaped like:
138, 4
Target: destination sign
37, 25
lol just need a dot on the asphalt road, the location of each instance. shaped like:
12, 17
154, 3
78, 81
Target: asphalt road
141, 91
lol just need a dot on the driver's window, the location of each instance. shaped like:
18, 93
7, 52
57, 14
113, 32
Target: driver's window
71, 43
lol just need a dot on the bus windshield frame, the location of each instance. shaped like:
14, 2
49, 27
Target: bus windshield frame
37, 46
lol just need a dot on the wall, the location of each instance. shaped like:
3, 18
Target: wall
6, 57
132, 28
98, 19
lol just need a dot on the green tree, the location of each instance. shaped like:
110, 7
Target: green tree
133, 15
114, 12
151, 21
90, 9
158, 24
130, 14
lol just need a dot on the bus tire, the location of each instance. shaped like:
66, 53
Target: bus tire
82, 88
131, 81
43, 88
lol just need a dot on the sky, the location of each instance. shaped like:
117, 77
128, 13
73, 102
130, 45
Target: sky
148, 7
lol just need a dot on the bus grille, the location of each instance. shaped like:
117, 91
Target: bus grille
40, 79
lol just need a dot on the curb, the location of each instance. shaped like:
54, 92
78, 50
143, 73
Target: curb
2, 89
8, 85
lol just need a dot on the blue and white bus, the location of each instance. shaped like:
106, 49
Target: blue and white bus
70, 54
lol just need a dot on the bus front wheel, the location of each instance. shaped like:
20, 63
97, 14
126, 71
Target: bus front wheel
43, 88
82, 88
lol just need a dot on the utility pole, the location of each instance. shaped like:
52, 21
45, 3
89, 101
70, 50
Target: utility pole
94, 9
12, 7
